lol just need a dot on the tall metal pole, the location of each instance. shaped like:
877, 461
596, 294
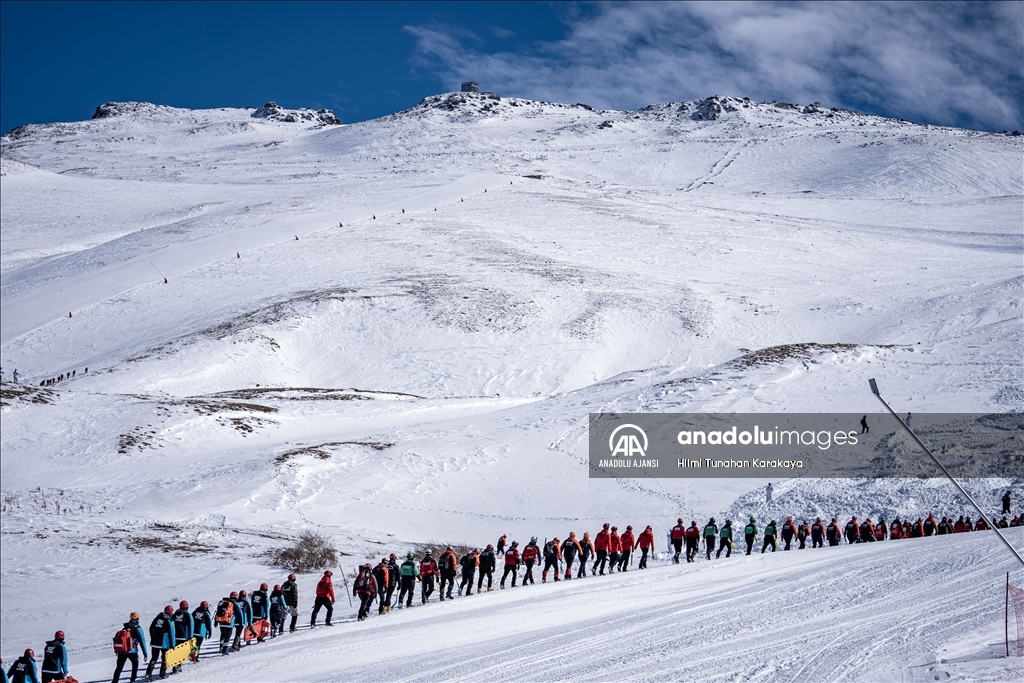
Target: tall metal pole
993, 527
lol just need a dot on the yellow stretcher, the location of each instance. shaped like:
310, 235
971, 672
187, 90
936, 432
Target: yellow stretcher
180, 654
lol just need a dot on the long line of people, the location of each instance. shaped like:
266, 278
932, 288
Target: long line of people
240, 618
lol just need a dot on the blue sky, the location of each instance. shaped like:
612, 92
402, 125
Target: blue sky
943, 63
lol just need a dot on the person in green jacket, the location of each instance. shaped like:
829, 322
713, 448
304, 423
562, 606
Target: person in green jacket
725, 542
710, 532
750, 534
770, 535
408, 572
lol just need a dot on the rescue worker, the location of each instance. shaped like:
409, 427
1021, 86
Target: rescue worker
138, 642
324, 598
626, 540
278, 610
446, 566
225, 620
570, 549
770, 535
260, 602
202, 625
511, 564
183, 626
394, 574
24, 668
365, 588
725, 540
614, 549
677, 534
469, 562
380, 582
802, 533
692, 541
882, 529
788, 532
958, 526
499, 548
55, 659
428, 575
896, 528
601, 544
646, 544
488, 563
834, 533
552, 556
818, 533
290, 592
853, 530
750, 534
586, 552
245, 612
531, 554
710, 536
929, 525
162, 639
408, 573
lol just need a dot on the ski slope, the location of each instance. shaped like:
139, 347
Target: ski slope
472, 278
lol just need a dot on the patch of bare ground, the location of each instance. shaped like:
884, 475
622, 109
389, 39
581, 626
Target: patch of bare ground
321, 451
11, 393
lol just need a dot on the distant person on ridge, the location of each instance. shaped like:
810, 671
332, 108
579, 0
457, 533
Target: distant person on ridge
768, 493
864, 429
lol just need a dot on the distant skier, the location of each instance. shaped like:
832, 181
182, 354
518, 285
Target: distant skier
692, 536
768, 493
750, 534
446, 567
601, 544
324, 598
408, 573
788, 532
646, 545
162, 639
127, 643
710, 536
511, 564
627, 541
55, 654
290, 591
488, 563
677, 533
1005, 499
428, 575
365, 588
570, 550
531, 553
725, 540
864, 429
770, 536
586, 552
552, 555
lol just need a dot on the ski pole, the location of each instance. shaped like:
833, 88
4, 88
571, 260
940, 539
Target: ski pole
874, 390
348, 593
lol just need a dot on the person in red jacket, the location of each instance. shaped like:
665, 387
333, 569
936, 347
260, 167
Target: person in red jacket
645, 542
896, 529
881, 529
692, 535
788, 532
678, 532
601, 544
511, 564
531, 553
614, 549
364, 587
429, 575
628, 541
818, 533
324, 598
980, 525
958, 526
586, 552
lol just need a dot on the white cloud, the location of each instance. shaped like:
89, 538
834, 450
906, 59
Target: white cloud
949, 63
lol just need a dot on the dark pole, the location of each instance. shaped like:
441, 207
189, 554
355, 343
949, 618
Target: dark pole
988, 522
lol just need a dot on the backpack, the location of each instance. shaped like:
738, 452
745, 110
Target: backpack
123, 641
225, 610
446, 562
362, 583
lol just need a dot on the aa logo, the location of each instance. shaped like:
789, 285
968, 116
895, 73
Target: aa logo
628, 443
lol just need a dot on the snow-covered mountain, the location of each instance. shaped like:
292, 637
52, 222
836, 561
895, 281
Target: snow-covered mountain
395, 330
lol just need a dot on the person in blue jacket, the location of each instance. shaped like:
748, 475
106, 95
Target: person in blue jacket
182, 626
243, 613
202, 625
278, 611
162, 639
138, 643
260, 606
55, 659
24, 668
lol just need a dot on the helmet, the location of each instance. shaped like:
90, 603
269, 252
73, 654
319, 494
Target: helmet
367, 566
679, 521
490, 546
395, 557
264, 586
615, 528
59, 635
204, 605
515, 544
448, 548
629, 528
277, 586
752, 520
168, 610
234, 594
242, 594
428, 552
183, 604
291, 577
606, 524
533, 539
327, 572
408, 556
713, 520
133, 615
30, 653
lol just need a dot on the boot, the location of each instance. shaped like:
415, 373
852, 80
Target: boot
489, 589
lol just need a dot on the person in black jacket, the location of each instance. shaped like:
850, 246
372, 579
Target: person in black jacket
487, 563
278, 610
162, 639
290, 592
202, 626
55, 659
183, 626
24, 668
260, 606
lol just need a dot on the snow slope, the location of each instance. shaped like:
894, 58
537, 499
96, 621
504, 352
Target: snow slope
472, 278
